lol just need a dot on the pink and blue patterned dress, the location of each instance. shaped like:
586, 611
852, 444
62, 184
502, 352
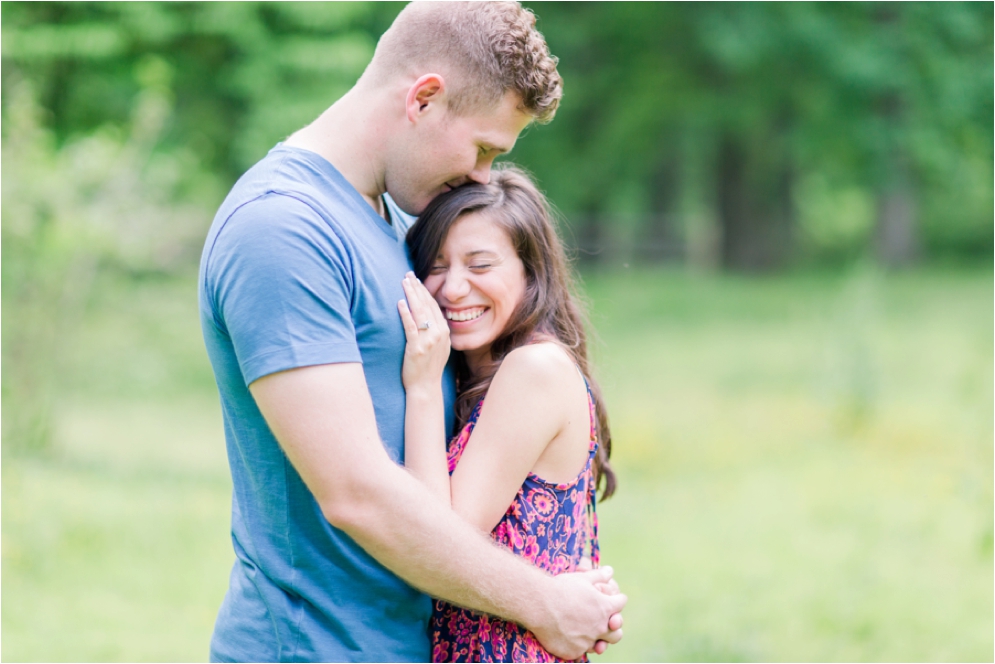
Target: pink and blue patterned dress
549, 524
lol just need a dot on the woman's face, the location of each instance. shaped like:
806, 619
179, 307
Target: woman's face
478, 281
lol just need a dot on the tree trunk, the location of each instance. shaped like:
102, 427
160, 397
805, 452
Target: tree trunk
756, 213
896, 237
661, 239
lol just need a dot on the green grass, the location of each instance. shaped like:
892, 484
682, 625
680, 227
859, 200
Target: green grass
805, 474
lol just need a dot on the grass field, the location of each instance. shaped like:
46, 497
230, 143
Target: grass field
805, 463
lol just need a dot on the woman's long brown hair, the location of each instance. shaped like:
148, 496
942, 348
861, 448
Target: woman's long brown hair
550, 308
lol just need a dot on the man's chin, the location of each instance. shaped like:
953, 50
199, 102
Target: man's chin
414, 208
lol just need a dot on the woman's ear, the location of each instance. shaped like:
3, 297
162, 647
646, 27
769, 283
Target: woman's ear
425, 95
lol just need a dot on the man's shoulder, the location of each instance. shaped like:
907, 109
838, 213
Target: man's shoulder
291, 173
284, 193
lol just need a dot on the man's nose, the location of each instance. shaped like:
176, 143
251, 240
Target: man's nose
481, 173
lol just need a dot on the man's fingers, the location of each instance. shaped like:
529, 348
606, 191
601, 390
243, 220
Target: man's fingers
615, 622
599, 575
613, 636
617, 602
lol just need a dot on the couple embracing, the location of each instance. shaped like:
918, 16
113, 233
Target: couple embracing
408, 407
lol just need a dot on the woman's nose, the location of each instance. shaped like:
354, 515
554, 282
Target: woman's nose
456, 286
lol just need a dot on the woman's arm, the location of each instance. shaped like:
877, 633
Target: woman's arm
425, 357
530, 402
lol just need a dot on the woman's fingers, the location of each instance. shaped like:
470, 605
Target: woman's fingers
414, 304
419, 301
439, 316
424, 308
432, 307
410, 327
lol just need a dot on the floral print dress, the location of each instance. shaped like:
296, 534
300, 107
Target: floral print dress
549, 524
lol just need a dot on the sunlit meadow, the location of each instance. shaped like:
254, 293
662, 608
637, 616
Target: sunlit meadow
805, 473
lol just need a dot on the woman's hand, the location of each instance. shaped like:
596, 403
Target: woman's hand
425, 357
427, 332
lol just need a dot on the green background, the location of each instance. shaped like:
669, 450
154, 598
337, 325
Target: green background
782, 215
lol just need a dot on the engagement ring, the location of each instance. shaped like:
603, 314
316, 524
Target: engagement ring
424, 326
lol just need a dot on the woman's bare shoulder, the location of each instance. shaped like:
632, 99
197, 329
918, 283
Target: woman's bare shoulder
543, 364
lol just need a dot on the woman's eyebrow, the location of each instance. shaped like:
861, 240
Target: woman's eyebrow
478, 252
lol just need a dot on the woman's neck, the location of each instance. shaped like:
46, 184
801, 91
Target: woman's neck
477, 359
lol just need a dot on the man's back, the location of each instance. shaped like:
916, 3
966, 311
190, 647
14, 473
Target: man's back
299, 271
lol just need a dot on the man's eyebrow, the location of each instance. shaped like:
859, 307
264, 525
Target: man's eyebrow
489, 147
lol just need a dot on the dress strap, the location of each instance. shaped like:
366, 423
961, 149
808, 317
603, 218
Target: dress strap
592, 488
592, 524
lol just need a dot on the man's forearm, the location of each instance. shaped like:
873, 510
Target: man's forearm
424, 542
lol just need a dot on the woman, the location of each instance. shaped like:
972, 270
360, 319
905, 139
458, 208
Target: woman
534, 440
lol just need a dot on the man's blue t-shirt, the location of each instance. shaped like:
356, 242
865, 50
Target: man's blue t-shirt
298, 270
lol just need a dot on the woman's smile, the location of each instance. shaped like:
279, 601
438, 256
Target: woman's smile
479, 282
464, 315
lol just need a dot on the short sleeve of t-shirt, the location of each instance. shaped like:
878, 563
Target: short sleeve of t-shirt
280, 280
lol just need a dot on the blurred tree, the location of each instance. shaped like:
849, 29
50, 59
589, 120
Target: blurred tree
245, 74
889, 103
145, 113
749, 134
107, 199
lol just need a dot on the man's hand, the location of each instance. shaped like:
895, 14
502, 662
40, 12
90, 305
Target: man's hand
608, 588
615, 627
579, 617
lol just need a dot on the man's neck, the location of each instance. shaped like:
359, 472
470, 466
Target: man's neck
352, 142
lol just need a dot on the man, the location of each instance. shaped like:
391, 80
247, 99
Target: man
337, 547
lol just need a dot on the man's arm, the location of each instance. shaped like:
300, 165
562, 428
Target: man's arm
323, 418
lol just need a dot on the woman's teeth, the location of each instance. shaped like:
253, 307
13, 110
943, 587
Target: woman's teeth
465, 315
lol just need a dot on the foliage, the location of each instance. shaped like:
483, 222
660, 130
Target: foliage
694, 132
245, 74
106, 200
842, 98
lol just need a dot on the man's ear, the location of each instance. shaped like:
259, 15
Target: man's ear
425, 95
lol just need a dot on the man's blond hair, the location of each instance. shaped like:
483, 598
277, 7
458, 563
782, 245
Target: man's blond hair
485, 49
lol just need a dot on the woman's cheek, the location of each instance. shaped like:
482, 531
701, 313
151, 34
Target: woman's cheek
432, 283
